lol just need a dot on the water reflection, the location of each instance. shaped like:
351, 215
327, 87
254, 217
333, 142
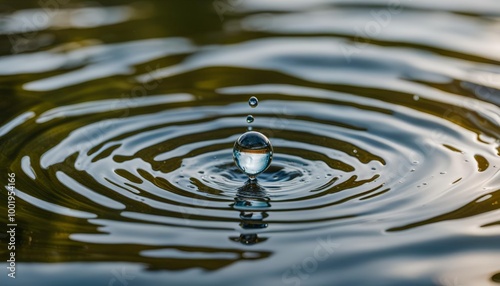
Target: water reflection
252, 202
119, 121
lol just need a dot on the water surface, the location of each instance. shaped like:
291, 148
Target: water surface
119, 120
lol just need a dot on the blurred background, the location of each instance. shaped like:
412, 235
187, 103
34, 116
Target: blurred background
119, 118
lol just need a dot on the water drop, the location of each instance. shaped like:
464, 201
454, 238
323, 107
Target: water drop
252, 153
253, 102
249, 119
355, 151
416, 97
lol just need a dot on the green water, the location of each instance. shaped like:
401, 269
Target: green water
119, 119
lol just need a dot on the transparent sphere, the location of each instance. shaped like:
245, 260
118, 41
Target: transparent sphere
250, 119
253, 102
252, 153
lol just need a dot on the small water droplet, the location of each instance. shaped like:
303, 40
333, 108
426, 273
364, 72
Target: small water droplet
329, 175
252, 153
412, 170
249, 119
355, 151
253, 102
201, 172
442, 173
317, 177
415, 162
416, 97
373, 169
425, 184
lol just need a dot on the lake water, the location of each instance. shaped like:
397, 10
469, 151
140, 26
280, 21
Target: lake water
119, 118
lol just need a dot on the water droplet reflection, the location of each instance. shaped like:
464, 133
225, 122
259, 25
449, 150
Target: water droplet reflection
253, 102
252, 202
252, 153
250, 119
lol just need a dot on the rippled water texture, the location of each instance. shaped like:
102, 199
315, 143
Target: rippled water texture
119, 120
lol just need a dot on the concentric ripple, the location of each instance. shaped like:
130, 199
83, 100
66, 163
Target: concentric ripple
390, 148
338, 163
332, 161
